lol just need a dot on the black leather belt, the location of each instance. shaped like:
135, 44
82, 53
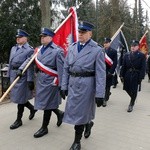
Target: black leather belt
15, 68
82, 74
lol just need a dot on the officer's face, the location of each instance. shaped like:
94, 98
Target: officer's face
21, 40
106, 45
45, 40
84, 36
134, 48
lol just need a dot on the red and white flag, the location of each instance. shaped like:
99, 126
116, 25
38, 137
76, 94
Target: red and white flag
67, 33
144, 45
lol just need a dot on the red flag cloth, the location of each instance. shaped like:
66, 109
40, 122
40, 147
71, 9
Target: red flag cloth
67, 33
144, 45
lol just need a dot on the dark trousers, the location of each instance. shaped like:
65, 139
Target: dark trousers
115, 79
29, 106
148, 75
46, 118
47, 115
78, 132
107, 93
133, 97
21, 109
57, 112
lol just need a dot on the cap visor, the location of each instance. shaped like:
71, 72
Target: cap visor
19, 36
82, 29
43, 34
134, 44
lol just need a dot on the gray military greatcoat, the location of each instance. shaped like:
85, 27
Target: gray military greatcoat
47, 94
80, 105
20, 93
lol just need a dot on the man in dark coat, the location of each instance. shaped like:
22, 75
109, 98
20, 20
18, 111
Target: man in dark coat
84, 78
115, 79
132, 72
111, 64
22, 91
148, 68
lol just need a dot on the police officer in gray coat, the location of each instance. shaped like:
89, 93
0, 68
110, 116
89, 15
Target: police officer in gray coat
133, 72
22, 91
84, 78
49, 62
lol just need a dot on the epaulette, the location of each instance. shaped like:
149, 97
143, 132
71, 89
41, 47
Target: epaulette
31, 46
93, 44
74, 43
53, 45
100, 45
59, 47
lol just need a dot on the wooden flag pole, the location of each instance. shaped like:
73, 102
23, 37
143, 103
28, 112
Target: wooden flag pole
143, 36
117, 32
70, 14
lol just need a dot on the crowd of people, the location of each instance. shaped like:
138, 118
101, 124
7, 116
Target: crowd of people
84, 78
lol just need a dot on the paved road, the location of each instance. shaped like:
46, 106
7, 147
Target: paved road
114, 128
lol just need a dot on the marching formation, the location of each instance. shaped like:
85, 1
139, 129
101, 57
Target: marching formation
83, 77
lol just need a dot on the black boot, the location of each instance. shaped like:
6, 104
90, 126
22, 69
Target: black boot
60, 115
107, 95
18, 121
78, 135
16, 124
32, 114
130, 108
75, 146
88, 127
104, 103
32, 110
44, 130
41, 132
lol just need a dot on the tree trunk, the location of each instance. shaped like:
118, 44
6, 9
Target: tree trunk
136, 20
115, 18
45, 13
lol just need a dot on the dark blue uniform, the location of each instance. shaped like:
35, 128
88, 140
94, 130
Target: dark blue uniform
112, 54
148, 68
110, 69
132, 72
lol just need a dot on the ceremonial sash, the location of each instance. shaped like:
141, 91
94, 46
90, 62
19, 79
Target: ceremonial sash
108, 60
47, 70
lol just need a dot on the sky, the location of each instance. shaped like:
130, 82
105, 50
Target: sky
145, 6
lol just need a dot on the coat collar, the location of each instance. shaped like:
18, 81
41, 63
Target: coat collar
49, 48
86, 50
